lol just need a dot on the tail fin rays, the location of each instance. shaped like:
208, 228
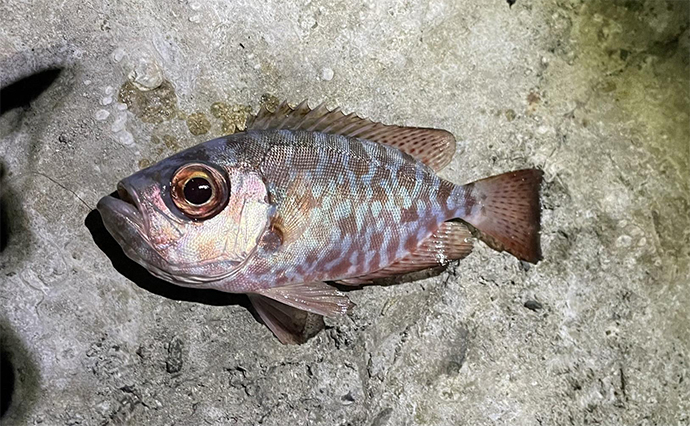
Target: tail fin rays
505, 211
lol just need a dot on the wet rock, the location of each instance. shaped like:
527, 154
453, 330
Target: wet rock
198, 124
152, 106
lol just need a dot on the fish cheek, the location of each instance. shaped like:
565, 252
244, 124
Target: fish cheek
164, 227
247, 216
207, 245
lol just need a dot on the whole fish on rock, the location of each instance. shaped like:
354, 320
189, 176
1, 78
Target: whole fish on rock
309, 196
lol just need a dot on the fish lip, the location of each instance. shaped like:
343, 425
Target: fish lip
129, 196
127, 206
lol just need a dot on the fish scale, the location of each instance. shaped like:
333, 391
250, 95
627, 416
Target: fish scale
308, 196
370, 169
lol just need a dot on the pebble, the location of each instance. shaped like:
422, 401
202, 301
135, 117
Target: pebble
126, 138
543, 130
145, 73
118, 54
533, 305
175, 359
623, 241
106, 100
103, 408
101, 115
119, 123
327, 74
307, 22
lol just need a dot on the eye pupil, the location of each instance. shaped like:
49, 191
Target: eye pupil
197, 191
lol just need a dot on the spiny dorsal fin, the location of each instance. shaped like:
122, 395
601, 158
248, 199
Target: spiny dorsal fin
452, 241
434, 147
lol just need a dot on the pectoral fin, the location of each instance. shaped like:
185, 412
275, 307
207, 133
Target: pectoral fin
314, 297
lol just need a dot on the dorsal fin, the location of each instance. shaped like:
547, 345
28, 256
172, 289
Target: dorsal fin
434, 147
452, 241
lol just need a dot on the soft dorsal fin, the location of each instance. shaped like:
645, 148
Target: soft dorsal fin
434, 147
452, 241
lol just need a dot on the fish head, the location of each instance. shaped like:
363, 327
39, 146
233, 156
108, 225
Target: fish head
189, 220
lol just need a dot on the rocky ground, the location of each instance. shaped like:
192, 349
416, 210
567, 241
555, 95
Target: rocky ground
595, 93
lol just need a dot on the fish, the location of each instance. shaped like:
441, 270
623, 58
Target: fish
306, 199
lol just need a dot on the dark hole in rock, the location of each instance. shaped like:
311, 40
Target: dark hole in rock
533, 305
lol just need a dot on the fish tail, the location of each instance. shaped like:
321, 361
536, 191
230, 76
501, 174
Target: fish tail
505, 211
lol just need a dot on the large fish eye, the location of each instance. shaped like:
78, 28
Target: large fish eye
199, 191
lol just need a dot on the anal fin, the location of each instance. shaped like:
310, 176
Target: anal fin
314, 297
452, 241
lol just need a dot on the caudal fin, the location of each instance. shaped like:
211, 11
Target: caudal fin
505, 210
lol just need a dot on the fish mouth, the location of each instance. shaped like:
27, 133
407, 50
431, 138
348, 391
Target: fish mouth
121, 212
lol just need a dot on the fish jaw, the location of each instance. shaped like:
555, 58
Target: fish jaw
123, 219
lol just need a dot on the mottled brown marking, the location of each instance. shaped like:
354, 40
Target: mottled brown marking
444, 191
312, 256
359, 166
342, 268
406, 178
331, 255
379, 196
409, 215
272, 239
381, 174
376, 261
411, 243
470, 200
346, 226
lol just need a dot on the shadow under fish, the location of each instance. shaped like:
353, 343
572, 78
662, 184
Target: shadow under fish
306, 197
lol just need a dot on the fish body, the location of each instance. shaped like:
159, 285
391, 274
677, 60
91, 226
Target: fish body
306, 197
